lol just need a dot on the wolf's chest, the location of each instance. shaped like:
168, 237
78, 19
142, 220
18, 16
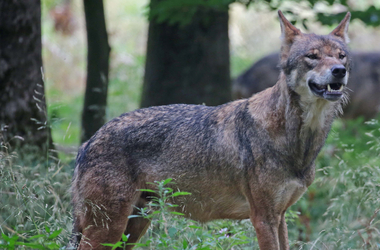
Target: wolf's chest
288, 193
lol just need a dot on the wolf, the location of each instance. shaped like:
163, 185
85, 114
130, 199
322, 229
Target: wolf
247, 159
364, 82
261, 75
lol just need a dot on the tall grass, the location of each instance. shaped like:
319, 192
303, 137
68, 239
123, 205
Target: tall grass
339, 211
349, 186
34, 202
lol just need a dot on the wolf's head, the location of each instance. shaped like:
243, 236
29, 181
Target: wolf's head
316, 66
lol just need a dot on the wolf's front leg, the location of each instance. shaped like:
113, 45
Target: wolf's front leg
283, 233
266, 224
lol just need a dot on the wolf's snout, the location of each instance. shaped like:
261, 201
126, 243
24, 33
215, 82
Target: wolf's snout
339, 71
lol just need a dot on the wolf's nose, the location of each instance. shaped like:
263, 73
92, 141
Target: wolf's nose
339, 71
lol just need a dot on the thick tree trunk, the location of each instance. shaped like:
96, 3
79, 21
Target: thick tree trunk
95, 101
188, 64
23, 117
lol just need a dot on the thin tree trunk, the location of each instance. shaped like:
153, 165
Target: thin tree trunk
188, 64
23, 117
95, 101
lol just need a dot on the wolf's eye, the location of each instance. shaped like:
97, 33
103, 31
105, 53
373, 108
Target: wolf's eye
312, 56
342, 56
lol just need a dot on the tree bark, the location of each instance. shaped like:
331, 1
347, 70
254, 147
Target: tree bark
23, 117
95, 101
188, 64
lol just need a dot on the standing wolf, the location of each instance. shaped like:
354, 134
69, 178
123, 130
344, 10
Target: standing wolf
251, 158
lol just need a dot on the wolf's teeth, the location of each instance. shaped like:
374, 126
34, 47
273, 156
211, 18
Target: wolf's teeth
341, 87
328, 88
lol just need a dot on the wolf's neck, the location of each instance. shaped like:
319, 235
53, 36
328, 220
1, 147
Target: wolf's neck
310, 113
292, 123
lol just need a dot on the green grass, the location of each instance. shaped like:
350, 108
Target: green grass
339, 210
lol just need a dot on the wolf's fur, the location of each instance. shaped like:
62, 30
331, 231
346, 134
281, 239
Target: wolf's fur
251, 158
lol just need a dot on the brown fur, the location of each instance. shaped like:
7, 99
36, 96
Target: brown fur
251, 158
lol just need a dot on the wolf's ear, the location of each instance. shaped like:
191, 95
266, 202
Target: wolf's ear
342, 29
288, 31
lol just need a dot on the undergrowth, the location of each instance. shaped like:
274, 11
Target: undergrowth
175, 232
35, 202
340, 210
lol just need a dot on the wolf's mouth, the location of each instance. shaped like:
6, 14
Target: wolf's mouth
330, 91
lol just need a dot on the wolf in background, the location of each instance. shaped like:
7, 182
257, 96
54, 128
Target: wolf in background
250, 158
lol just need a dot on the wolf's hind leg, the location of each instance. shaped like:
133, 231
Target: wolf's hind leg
137, 226
103, 228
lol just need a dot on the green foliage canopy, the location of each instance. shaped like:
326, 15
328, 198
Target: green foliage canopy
181, 12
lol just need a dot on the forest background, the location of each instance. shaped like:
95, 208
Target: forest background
340, 209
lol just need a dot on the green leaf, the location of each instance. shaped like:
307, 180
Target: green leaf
167, 181
147, 190
171, 205
154, 205
36, 236
47, 229
195, 227
177, 213
180, 193
185, 243
12, 240
168, 190
118, 244
5, 237
52, 245
114, 246
125, 237
146, 244
55, 234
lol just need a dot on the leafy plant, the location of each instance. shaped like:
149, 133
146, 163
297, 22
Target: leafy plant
170, 230
121, 244
40, 241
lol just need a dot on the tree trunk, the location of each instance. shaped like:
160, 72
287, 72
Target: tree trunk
95, 100
23, 117
188, 64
